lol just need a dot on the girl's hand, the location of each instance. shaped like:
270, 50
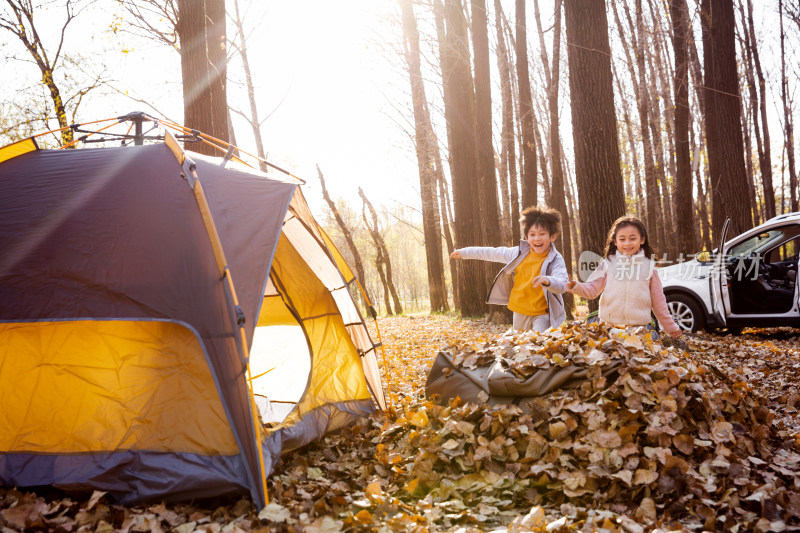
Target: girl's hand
540, 280
571, 285
676, 334
455, 255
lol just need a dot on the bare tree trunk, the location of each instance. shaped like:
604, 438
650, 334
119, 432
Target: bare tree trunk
460, 114
201, 29
484, 149
683, 174
723, 118
696, 69
383, 251
594, 124
540, 151
662, 113
348, 236
253, 119
447, 221
216, 46
783, 181
425, 145
703, 199
513, 181
447, 216
751, 104
528, 170
787, 117
653, 217
765, 157
557, 197
659, 77
505, 204
379, 266
705, 219
572, 215
634, 155
507, 153
508, 124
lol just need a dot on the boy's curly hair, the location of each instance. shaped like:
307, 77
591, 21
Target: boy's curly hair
546, 217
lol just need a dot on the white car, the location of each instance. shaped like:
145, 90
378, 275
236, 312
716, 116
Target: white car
749, 281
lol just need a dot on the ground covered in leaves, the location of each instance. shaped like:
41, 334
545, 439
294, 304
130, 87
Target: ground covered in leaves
701, 439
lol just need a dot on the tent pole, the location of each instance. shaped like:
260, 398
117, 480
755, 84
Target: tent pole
138, 138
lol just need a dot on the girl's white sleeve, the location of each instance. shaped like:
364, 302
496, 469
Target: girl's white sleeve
500, 254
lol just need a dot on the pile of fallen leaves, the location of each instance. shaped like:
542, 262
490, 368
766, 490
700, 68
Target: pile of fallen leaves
669, 441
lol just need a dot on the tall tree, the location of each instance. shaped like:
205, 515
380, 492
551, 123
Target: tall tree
484, 149
528, 172
508, 156
761, 127
459, 102
723, 118
425, 145
787, 115
447, 210
636, 186
750, 114
683, 175
201, 30
558, 192
653, 215
594, 123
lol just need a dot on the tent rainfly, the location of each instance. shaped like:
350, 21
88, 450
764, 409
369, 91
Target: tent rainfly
158, 310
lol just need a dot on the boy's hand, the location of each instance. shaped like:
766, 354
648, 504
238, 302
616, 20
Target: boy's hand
540, 280
455, 255
676, 334
571, 285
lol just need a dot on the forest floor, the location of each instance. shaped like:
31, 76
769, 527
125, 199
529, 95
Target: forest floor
715, 447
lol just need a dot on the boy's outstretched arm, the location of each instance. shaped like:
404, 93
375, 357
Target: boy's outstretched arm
486, 253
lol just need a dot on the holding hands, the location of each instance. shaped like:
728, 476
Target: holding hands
571, 285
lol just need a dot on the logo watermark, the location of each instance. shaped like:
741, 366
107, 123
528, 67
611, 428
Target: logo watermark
728, 267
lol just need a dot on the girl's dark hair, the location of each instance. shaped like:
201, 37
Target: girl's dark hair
621, 222
546, 217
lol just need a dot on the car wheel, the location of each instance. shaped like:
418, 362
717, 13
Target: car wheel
686, 312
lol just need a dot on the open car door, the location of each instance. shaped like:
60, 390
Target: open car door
718, 279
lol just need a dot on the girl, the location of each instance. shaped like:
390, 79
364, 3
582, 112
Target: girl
535, 274
628, 280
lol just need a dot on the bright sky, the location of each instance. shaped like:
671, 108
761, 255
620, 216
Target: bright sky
322, 73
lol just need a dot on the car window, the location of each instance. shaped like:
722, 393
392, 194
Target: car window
748, 246
785, 252
763, 241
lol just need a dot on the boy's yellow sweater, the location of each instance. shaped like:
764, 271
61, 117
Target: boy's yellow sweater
524, 297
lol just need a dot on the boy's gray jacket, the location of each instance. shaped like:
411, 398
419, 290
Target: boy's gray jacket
553, 267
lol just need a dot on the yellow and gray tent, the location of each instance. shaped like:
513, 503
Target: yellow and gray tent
156, 309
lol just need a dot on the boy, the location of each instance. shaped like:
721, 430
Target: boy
535, 275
